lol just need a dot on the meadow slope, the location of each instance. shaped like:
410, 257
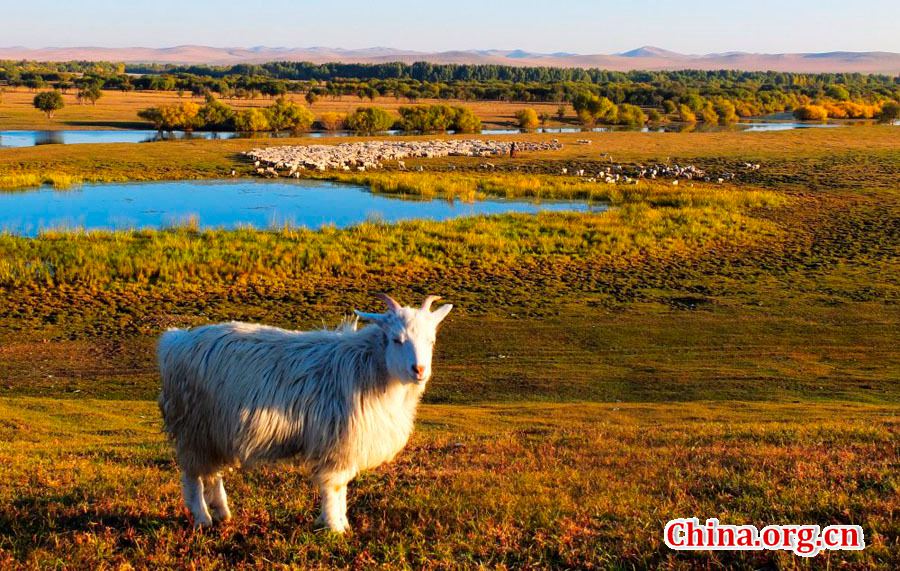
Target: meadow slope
703, 351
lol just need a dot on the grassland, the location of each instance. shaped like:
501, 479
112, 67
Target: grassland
718, 351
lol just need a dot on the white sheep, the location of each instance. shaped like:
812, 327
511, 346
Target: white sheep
342, 401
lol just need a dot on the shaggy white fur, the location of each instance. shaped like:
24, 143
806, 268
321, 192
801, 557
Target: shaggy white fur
235, 394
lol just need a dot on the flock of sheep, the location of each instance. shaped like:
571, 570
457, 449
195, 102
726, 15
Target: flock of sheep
269, 161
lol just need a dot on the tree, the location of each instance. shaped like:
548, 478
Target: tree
369, 120
251, 121
465, 121
49, 102
331, 121
708, 114
685, 115
630, 115
890, 111
427, 118
561, 112
90, 92
311, 98
591, 109
725, 110
215, 115
287, 115
170, 117
527, 118
153, 115
838, 92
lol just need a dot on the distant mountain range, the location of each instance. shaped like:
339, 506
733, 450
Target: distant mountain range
643, 58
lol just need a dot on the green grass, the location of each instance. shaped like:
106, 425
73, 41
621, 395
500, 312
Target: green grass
715, 350
30, 180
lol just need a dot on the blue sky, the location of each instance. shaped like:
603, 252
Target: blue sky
579, 26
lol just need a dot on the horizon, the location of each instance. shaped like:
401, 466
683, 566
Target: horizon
428, 52
578, 26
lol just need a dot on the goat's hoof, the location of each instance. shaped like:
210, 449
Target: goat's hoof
339, 527
202, 523
221, 515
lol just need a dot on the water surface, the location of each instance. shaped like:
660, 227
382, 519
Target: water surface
236, 203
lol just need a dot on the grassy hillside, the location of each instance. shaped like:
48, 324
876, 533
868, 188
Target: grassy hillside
702, 351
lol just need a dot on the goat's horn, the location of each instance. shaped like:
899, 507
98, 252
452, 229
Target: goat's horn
426, 305
389, 301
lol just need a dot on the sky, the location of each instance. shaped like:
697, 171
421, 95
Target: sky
577, 26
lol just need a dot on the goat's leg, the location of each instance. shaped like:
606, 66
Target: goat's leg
333, 486
216, 499
192, 488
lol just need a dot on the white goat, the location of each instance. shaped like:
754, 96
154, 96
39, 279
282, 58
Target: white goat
342, 401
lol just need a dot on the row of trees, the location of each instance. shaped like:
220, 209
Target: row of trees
822, 110
752, 93
287, 115
282, 115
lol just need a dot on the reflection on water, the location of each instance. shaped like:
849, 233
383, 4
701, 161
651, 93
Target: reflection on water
236, 203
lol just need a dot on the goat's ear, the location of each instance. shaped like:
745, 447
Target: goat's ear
376, 317
440, 313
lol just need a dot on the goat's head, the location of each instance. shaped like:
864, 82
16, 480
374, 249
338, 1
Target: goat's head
409, 337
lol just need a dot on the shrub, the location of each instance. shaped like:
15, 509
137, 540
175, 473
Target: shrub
425, 119
591, 109
251, 121
856, 110
284, 114
368, 120
177, 116
331, 121
633, 115
745, 109
654, 116
49, 102
708, 114
465, 121
838, 92
835, 111
686, 115
527, 118
436, 118
725, 110
215, 115
811, 113
890, 111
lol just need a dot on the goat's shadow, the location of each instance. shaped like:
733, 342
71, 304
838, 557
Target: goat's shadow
32, 522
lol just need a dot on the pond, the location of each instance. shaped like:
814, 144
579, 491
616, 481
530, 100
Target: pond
13, 138
236, 203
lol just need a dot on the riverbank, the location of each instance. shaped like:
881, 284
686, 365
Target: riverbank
195, 159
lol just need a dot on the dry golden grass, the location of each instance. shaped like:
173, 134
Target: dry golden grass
92, 484
118, 109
